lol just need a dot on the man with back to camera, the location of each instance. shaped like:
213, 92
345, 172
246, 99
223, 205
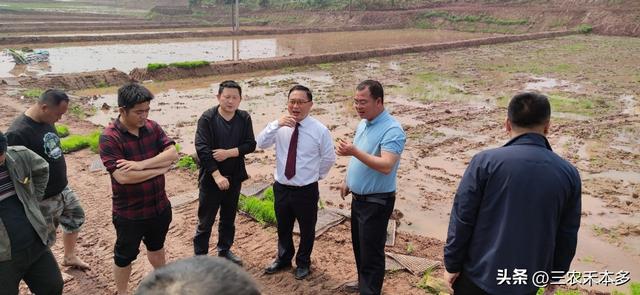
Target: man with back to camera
199, 275
224, 135
24, 251
137, 153
517, 209
304, 155
35, 130
371, 179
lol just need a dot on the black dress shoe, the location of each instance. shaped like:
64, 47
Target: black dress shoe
277, 266
302, 272
230, 256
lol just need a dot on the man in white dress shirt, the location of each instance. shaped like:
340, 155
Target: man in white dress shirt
304, 155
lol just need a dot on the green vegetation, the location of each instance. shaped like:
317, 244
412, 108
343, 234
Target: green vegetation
582, 106
190, 64
584, 28
187, 162
635, 288
77, 111
63, 130
432, 285
156, 66
71, 7
178, 147
409, 248
183, 65
32, 93
482, 18
102, 84
262, 209
77, 142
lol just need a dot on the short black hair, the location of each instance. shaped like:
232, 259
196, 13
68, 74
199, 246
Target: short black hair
229, 84
529, 109
199, 275
53, 97
375, 88
132, 94
301, 88
3, 143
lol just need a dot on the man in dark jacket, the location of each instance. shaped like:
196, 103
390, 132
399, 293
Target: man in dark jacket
24, 233
223, 137
516, 211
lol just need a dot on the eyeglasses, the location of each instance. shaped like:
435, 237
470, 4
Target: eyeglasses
297, 102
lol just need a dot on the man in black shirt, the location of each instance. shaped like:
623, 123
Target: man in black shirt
35, 130
24, 254
224, 135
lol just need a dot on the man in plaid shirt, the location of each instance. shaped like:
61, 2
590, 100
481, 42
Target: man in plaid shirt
137, 153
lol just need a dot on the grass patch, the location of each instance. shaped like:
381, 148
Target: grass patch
156, 66
62, 130
560, 103
32, 93
326, 66
77, 142
262, 209
584, 28
187, 162
635, 288
190, 64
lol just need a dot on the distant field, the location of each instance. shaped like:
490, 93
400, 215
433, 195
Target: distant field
71, 7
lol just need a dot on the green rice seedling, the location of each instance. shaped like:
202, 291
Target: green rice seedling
156, 66
190, 64
62, 130
187, 162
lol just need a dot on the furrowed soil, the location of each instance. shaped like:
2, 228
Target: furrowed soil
452, 105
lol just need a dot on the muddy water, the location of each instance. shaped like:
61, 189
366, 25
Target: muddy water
127, 56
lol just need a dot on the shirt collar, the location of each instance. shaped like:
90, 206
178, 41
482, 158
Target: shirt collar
530, 139
381, 117
124, 129
305, 121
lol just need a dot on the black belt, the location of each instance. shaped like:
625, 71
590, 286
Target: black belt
295, 188
380, 198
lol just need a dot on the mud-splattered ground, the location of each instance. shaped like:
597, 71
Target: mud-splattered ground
451, 104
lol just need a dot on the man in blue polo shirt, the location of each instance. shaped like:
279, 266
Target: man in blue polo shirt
371, 178
516, 211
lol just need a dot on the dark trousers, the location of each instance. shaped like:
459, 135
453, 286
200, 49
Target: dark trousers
369, 222
291, 204
210, 200
36, 266
464, 286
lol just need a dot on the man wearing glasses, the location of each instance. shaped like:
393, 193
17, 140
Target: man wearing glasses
371, 179
304, 155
